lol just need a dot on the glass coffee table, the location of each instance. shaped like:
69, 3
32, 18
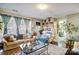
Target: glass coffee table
34, 49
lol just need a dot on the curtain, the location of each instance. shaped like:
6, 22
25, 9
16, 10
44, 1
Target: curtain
22, 28
18, 21
12, 27
5, 19
27, 24
1, 29
26, 21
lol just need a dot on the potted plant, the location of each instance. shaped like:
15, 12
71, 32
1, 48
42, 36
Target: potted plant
70, 30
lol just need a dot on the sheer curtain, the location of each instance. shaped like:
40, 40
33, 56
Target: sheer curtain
12, 27
1, 31
22, 27
5, 19
26, 23
29, 28
18, 21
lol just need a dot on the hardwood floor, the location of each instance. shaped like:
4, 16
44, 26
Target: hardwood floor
15, 51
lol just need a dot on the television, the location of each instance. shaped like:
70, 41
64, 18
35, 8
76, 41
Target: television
38, 23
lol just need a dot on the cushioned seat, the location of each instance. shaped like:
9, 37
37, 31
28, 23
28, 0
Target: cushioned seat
43, 38
10, 43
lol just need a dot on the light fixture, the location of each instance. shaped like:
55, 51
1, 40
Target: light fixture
42, 6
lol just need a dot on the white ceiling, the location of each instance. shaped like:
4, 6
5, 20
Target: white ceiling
53, 10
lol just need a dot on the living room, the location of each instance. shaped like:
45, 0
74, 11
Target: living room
39, 29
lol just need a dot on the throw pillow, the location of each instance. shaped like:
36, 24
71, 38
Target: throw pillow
8, 39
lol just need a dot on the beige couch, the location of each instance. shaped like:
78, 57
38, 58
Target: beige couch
9, 43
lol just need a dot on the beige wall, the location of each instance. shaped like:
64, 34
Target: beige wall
74, 19
34, 24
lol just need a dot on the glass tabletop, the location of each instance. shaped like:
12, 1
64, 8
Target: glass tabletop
33, 47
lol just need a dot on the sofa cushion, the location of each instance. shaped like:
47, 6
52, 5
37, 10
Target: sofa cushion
8, 39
